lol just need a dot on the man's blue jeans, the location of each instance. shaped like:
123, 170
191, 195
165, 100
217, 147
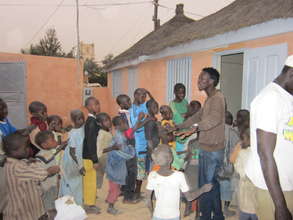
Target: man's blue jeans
210, 203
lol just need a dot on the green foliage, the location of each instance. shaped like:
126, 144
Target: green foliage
49, 45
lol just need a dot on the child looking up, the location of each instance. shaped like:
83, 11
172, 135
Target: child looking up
46, 141
246, 192
139, 106
72, 166
103, 141
167, 185
89, 155
116, 162
23, 179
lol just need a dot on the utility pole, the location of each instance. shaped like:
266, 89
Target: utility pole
155, 17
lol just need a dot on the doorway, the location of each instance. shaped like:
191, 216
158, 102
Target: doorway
231, 80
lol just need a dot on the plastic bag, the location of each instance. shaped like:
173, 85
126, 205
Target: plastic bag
67, 209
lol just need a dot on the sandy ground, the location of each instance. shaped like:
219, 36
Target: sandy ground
130, 212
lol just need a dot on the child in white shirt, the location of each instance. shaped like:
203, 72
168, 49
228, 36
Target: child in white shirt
167, 184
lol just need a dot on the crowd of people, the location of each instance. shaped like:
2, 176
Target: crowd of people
190, 153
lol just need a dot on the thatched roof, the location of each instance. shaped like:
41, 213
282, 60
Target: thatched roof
239, 14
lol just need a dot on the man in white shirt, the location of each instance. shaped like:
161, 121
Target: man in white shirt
270, 165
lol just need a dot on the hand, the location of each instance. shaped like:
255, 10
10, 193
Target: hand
283, 214
96, 166
206, 187
53, 170
141, 116
117, 147
82, 171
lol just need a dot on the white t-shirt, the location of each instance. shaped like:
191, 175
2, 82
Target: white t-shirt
272, 111
167, 192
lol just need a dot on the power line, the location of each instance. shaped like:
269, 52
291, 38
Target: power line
187, 12
72, 5
45, 23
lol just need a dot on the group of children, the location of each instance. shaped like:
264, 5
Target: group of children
74, 160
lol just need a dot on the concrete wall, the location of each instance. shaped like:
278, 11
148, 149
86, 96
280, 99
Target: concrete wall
152, 74
57, 82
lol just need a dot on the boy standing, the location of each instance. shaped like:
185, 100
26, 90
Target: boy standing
23, 180
167, 185
90, 158
139, 105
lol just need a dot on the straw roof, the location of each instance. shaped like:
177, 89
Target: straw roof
239, 14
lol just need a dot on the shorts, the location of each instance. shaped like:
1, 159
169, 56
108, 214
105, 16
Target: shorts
141, 168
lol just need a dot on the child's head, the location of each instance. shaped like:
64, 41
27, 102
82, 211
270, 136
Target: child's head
245, 138
3, 110
162, 155
46, 140
139, 96
165, 136
104, 121
193, 107
179, 92
77, 117
153, 107
242, 118
16, 146
120, 123
92, 105
228, 118
123, 101
39, 110
55, 123
166, 112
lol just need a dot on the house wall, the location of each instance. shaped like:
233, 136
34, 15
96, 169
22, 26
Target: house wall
152, 73
55, 82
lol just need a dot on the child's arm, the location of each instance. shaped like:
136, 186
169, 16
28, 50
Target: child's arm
114, 147
149, 201
74, 158
190, 196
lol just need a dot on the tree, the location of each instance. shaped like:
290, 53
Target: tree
49, 45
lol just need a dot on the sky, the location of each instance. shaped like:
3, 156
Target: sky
112, 28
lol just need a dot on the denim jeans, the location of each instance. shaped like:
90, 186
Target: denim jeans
210, 203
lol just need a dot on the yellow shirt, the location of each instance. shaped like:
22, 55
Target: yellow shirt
171, 123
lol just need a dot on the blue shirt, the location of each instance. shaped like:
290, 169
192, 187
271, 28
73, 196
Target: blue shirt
139, 135
6, 128
116, 169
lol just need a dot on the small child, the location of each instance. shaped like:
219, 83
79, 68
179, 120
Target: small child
6, 127
39, 114
23, 178
246, 197
45, 140
72, 166
116, 162
167, 184
55, 124
167, 115
179, 104
89, 155
125, 104
103, 141
193, 107
151, 127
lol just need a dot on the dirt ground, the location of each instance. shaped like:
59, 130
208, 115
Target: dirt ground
129, 212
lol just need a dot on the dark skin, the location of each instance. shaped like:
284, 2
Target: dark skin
206, 84
165, 170
266, 144
42, 114
93, 106
153, 111
22, 152
179, 95
125, 103
56, 125
78, 121
140, 96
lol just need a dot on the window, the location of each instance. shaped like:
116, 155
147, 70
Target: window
116, 83
132, 81
179, 71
